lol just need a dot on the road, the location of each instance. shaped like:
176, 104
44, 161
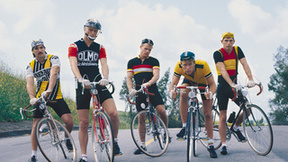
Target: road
17, 149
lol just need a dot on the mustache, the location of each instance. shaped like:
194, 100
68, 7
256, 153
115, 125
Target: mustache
40, 53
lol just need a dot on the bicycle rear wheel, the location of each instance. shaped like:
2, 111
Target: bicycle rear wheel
203, 134
258, 130
149, 128
102, 138
55, 145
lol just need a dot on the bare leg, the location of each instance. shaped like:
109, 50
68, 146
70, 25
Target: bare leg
222, 125
83, 116
162, 112
207, 104
110, 108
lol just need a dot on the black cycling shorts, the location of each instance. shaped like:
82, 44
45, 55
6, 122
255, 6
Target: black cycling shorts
83, 100
225, 92
155, 100
60, 107
190, 83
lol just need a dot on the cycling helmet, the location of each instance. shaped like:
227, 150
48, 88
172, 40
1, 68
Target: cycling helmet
94, 24
37, 43
187, 56
146, 40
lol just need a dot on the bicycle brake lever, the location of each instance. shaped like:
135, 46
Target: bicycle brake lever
21, 112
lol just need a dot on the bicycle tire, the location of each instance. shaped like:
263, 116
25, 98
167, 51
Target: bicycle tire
156, 138
49, 141
102, 138
258, 130
189, 128
203, 133
194, 132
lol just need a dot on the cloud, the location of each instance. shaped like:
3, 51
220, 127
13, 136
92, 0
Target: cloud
260, 25
27, 12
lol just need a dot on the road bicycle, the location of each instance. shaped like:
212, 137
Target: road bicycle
195, 129
256, 125
53, 139
102, 132
148, 127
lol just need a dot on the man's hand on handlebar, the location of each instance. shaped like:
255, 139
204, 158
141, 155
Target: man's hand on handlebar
132, 92
85, 82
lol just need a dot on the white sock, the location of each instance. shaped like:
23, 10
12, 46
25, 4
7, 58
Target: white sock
224, 144
84, 157
34, 153
235, 127
210, 142
184, 125
115, 139
143, 144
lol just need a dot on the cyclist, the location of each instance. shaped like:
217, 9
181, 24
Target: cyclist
145, 69
84, 56
195, 72
226, 60
46, 69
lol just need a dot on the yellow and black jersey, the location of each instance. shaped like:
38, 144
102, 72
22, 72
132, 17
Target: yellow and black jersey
142, 70
202, 71
42, 74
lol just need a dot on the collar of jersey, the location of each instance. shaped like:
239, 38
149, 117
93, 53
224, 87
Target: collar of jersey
140, 58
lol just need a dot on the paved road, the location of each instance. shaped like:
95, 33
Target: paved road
17, 149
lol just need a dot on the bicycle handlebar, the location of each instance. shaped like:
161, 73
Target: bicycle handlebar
142, 90
191, 87
236, 94
93, 85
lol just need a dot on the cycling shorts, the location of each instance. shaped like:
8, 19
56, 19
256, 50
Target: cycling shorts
190, 83
225, 92
83, 100
59, 106
155, 100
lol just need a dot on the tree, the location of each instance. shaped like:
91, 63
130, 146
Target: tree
279, 85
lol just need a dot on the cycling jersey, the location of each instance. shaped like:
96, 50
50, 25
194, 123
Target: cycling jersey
142, 70
202, 72
88, 64
42, 74
87, 58
224, 91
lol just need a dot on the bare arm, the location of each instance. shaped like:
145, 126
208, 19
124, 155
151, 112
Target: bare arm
246, 68
105, 69
225, 75
155, 76
174, 82
212, 85
53, 76
74, 67
30, 86
129, 81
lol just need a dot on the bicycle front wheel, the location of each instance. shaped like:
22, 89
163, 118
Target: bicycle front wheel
203, 134
54, 141
148, 128
258, 130
102, 138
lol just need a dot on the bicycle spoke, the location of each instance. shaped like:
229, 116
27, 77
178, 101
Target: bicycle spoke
52, 141
102, 138
149, 128
258, 130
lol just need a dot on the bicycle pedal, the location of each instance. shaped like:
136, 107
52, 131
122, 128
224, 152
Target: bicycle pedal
181, 139
119, 154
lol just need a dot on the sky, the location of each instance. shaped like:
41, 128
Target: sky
260, 28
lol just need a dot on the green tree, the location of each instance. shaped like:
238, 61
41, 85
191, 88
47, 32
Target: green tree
279, 85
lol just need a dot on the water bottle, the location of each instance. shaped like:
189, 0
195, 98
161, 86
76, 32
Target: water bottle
231, 117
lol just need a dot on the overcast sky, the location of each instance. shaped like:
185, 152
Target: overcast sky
260, 27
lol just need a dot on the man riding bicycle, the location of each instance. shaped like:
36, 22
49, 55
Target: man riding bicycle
197, 73
145, 71
84, 56
226, 60
46, 69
